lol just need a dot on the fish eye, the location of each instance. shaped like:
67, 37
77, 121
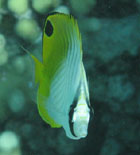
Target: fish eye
49, 29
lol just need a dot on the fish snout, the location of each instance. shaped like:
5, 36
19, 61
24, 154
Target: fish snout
81, 128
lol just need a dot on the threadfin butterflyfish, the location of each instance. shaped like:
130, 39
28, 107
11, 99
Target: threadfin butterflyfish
63, 95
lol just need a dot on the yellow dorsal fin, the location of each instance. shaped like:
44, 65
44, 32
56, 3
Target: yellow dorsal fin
38, 66
38, 69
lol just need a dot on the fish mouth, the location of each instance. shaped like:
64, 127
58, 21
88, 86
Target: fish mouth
80, 128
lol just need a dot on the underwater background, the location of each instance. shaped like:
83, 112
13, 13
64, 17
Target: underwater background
110, 32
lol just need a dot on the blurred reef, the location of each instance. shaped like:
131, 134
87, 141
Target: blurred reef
111, 42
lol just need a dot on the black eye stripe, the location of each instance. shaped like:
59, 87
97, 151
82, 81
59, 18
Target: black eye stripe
48, 28
71, 112
70, 118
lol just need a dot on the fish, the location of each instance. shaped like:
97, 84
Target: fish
63, 94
